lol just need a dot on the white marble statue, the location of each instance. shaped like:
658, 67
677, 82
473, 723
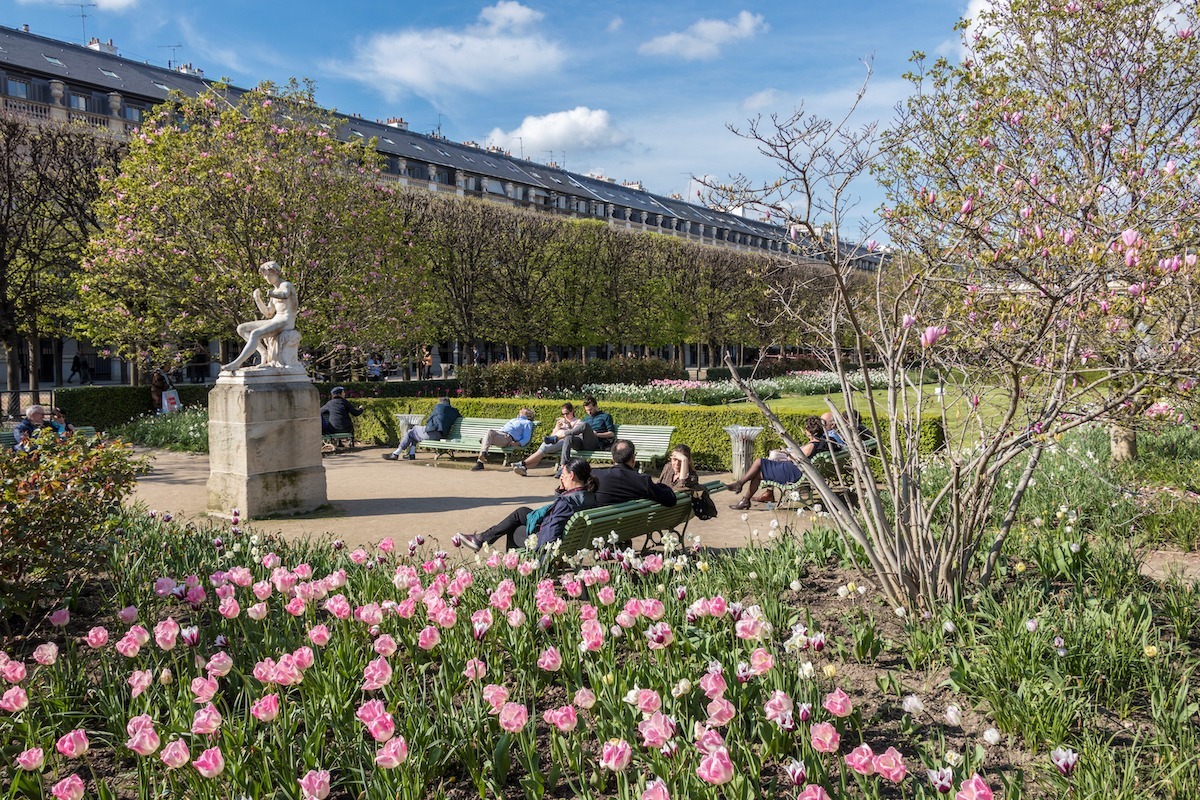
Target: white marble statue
274, 338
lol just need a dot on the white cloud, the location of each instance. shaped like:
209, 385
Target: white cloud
581, 129
501, 50
101, 5
766, 100
615, 24
703, 39
955, 47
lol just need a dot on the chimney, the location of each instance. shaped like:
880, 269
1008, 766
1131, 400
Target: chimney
188, 69
397, 122
25, 28
102, 47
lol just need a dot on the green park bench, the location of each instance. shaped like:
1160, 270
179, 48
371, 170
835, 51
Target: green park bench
8, 440
628, 521
651, 443
466, 436
333, 439
801, 494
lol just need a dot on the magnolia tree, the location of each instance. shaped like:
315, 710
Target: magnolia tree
1042, 203
217, 184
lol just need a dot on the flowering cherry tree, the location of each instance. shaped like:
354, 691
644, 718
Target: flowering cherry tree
216, 184
1041, 202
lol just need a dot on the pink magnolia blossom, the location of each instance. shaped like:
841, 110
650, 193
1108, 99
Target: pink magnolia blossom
211, 763
73, 744
973, 788
31, 760
615, 755
932, 334
838, 703
207, 720
393, 753
314, 785
175, 754
716, 767
862, 760
69, 788
513, 716
825, 738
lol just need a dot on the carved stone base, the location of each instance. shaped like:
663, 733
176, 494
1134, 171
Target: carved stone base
264, 441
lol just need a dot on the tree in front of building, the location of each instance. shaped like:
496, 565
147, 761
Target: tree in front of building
217, 184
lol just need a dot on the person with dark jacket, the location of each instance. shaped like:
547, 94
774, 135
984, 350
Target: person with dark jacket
337, 415
622, 481
441, 420
577, 491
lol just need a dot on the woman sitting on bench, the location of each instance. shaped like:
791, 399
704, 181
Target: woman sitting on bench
781, 472
525, 526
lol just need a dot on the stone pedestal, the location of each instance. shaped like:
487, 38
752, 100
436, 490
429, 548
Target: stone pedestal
264, 443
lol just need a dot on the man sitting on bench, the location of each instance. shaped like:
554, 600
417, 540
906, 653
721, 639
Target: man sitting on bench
515, 433
337, 416
622, 481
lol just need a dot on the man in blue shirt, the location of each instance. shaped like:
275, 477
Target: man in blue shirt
515, 433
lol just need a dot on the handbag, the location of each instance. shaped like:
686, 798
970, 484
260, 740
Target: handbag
703, 506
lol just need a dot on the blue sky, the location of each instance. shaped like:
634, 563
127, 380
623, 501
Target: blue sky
631, 90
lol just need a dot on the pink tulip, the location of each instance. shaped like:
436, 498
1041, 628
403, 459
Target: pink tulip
207, 720
14, 671
14, 700
647, 701
266, 708
97, 637
128, 646
1064, 759
428, 638
615, 755
382, 728
584, 698
210, 763
720, 712
761, 662
656, 730
825, 738
73, 744
813, 792
127, 614
475, 669
392, 754
315, 785
143, 740
707, 739
862, 760
973, 788
377, 674
203, 690
796, 773
70, 788
713, 685
656, 791
60, 617
219, 665
716, 767
513, 717
607, 595
140, 681
564, 718
319, 635
257, 612
890, 765
46, 654
838, 703
778, 707
175, 754
550, 660
31, 760
165, 633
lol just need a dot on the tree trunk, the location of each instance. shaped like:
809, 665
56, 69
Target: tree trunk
1122, 444
12, 400
35, 368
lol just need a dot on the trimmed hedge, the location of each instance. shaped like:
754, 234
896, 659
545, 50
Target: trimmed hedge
699, 427
105, 407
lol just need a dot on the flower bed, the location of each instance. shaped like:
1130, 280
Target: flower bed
718, 392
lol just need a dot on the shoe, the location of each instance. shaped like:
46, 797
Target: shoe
478, 467
471, 542
549, 440
765, 496
733, 487
558, 472
519, 468
390, 457
744, 505
411, 457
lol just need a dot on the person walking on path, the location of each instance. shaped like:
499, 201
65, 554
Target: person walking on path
515, 433
76, 368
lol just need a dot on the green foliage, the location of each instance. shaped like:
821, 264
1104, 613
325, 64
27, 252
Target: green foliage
185, 431
55, 504
511, 378
105, 407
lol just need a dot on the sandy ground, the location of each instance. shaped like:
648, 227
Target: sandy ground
372, 498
